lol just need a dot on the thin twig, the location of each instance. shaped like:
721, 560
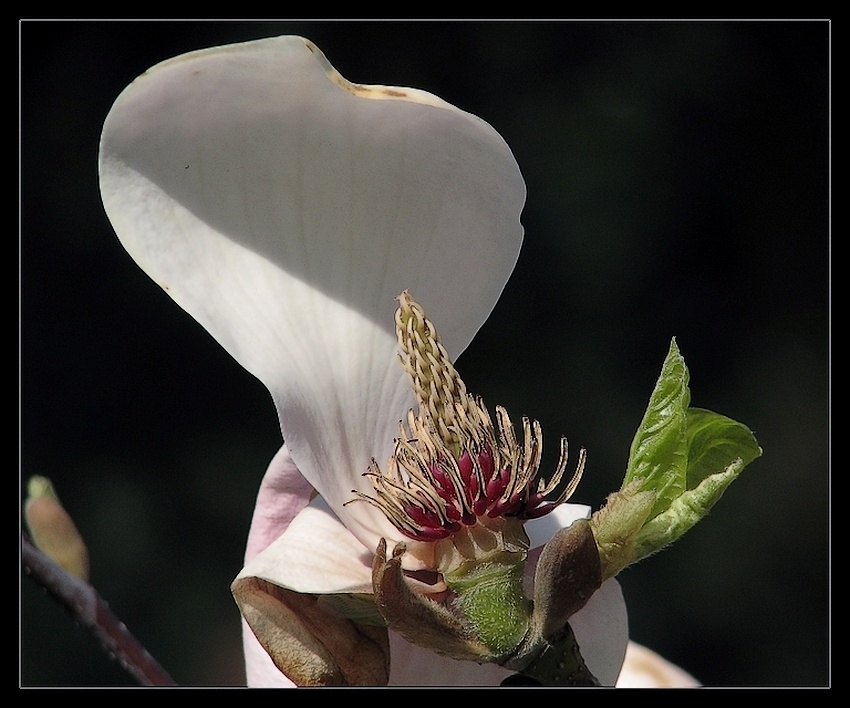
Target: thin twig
89, 609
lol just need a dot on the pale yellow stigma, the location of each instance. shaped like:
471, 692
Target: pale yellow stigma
439, 390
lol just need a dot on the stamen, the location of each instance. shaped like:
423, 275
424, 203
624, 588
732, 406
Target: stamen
451, 467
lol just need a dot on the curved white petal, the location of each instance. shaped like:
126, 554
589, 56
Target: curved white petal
317, 554
283, 493
643, 668
540, 530
602, 632
285, 208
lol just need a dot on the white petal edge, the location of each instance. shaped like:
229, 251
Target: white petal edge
540, 530
317, 555
601, 628
284, 210
644, 668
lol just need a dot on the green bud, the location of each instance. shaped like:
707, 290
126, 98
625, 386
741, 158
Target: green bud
52, 529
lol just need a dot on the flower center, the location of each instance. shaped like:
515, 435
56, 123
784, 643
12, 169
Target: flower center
452, 467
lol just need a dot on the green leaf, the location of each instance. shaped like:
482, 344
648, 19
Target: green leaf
686, 456
659, 452
684, 512
714, 442
718, 449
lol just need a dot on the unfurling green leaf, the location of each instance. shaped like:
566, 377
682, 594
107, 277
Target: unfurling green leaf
718, 450
659, 450
714, 442
682, 459
684, 512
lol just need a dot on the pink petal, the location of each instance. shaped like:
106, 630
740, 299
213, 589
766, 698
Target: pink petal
283, 493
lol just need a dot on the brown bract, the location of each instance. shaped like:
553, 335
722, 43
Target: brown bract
417, 618
308, 644
568, 573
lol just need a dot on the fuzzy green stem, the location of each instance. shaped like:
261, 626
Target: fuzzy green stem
490, 595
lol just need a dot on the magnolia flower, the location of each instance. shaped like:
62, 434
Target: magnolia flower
285, 209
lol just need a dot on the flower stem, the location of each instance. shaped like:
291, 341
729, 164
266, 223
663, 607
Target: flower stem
88, 608
561, 664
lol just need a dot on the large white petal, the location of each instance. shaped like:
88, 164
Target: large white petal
285, 208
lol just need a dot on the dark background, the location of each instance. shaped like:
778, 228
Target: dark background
678, 185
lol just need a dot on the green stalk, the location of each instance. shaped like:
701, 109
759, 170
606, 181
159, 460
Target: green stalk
490, 596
